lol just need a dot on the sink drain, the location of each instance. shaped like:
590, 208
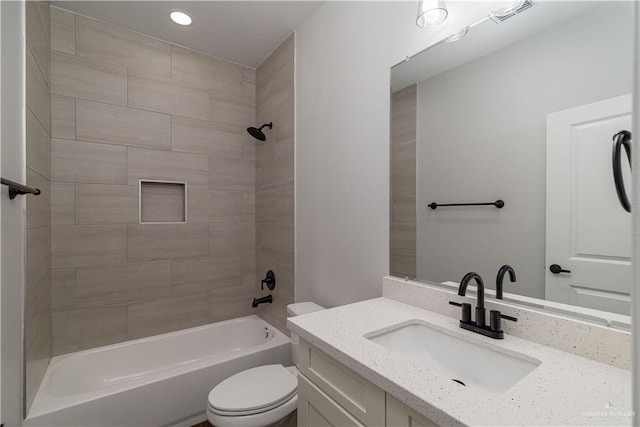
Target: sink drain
458, 381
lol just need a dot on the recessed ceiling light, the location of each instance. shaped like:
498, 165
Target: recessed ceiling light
180, 18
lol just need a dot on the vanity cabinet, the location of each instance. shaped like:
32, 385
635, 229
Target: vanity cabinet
400, 415
330, 394
317, 409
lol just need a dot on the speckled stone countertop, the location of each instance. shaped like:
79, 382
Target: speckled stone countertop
564, 389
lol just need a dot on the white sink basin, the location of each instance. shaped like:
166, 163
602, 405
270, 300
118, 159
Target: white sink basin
464, 362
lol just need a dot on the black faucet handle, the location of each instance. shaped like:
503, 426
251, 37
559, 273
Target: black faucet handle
465, 309
269, 280
505, 317
495, 320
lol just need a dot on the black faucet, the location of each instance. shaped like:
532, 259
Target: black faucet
503, 270
257, 301
494, 330
462, 291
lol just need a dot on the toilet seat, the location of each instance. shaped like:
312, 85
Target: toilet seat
263, 419
253, 391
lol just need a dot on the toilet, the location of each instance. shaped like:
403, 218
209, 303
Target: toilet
260, 396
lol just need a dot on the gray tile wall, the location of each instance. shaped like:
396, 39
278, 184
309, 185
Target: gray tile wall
274, 180
127, 107
37, 322
403, 182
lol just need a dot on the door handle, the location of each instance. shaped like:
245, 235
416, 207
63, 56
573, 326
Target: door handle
556, 269
621, 140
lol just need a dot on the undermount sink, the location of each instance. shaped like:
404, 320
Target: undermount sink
464, 362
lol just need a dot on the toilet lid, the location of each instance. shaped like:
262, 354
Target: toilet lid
254, 390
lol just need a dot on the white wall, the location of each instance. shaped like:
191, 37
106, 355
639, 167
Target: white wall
635, 292
343, 56
344, 53
12, 60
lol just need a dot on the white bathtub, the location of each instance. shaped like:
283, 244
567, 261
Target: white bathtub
162, 380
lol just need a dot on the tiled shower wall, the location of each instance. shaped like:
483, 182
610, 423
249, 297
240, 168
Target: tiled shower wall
37, 322
274, 180
403, 182
128, 107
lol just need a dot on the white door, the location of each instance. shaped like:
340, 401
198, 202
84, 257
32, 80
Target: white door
588, 232
12, 212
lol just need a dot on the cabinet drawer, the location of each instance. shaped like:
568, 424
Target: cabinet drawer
358, 396
400, 415
316, 409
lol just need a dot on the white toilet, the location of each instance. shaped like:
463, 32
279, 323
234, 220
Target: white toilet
259, 396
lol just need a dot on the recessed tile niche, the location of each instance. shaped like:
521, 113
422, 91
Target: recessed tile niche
163, 202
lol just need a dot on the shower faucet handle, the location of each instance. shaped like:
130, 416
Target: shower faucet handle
270, 281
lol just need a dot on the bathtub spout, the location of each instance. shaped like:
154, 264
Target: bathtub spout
257, 301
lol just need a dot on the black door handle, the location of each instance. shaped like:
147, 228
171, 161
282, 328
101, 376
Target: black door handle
556, 269
621, 140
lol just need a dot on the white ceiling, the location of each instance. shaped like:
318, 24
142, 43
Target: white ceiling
487, 37
245, 32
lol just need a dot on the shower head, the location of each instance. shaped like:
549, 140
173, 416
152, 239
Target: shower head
257, 132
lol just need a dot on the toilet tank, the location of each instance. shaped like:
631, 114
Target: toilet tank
298, 309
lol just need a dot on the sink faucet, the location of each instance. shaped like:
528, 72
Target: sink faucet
462, 291
494, 330
503, 270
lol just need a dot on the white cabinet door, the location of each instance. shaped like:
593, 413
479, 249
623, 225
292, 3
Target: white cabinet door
359, 397
400, 415
588, 232
317, 409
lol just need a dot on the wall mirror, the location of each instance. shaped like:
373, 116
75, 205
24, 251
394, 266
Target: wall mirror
521, 108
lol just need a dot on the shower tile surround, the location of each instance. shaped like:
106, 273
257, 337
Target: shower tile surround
126, 107
274, 202
37, 320
403, 182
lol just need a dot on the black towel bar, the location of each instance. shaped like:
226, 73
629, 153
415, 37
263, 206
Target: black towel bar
16, 189
498, 204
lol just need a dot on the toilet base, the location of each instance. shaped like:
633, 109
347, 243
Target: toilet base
290, 420
274, 417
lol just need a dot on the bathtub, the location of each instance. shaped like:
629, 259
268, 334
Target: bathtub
162, 380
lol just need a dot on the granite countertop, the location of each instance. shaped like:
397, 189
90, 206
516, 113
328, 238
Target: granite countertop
564, 389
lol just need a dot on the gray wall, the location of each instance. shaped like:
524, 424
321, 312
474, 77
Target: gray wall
403, 183
37, 323
482, 136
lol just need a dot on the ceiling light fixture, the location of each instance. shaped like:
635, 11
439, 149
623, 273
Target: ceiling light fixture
457, 36
180, 18
431, 12
509, 9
